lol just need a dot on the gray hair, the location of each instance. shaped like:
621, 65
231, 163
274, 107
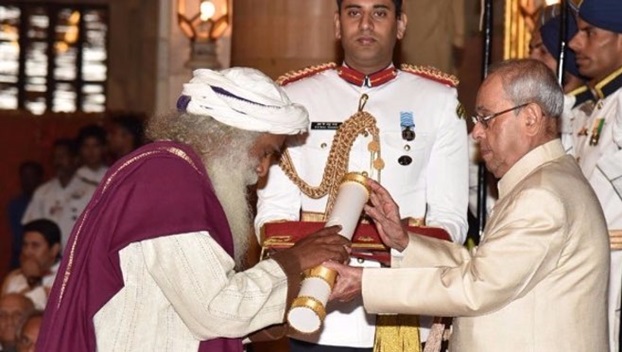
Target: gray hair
530, 81
206, 135
224, 151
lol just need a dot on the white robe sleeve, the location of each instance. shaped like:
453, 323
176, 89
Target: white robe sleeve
197, 277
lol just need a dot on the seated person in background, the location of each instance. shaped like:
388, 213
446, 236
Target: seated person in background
127, 133
92, 148
30, 177
29, 332
156, 259
62, 198
38, 263
14, 308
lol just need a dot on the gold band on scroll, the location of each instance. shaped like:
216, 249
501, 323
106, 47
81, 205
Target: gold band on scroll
309, 302
323, 273
357, 178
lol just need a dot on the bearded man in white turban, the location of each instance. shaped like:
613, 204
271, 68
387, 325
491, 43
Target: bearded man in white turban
153, 263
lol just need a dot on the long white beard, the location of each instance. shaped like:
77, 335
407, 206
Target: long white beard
230, 176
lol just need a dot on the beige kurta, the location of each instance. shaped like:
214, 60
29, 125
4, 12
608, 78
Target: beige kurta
181, 289
536, 281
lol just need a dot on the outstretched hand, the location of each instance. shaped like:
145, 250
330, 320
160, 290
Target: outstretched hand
349, 282
321, 246
386, 214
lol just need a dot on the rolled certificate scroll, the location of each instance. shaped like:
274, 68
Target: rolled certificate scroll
309, 308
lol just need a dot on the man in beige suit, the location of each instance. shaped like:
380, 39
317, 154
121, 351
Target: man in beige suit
539, 275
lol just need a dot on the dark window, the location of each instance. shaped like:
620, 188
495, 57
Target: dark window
53, 57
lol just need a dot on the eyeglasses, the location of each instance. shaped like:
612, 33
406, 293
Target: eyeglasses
484, 119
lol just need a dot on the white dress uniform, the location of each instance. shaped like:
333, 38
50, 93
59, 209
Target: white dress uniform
574, 114
598, 149
16, 282
92, 176
63, 205
427, 176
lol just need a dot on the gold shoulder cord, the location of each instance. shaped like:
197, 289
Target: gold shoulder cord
360, 123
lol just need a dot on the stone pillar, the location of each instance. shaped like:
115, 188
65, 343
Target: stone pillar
276, 36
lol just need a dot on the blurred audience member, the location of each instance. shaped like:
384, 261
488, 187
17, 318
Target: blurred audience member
14, 308
544, 46
39, 263
92, 148
576, 92
30, 177
63, 198
29, 332
126, 134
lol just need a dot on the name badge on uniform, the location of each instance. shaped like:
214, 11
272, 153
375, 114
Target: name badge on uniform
407, 124
325, 125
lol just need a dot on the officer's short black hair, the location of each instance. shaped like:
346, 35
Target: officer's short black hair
91, 131
47, 228
33, 165
397, 3
67, 143
133, 124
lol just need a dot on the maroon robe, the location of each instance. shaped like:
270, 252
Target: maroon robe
160, 189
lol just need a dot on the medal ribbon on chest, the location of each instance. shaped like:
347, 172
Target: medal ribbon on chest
596, 131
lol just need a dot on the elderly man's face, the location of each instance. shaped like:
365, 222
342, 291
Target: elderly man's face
502, 141
264, 151
598, 50
13, 309
29, 334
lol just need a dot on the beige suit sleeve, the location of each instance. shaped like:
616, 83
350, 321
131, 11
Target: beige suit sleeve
197, 277
429, 252
522, 248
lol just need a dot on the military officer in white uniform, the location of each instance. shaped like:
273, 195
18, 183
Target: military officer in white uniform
63, 198
423, 143
598, 141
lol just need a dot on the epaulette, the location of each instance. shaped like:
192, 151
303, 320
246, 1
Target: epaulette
293, 76
432, 73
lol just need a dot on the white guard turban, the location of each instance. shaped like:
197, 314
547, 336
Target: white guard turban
244, 98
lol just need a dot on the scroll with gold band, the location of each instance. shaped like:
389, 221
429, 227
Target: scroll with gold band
309, 309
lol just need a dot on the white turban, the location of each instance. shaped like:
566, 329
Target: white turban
243, 98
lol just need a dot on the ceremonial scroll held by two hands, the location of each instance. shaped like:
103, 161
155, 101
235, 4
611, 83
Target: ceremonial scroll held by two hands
309, 308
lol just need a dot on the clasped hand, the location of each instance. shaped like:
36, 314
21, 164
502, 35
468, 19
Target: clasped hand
386, 215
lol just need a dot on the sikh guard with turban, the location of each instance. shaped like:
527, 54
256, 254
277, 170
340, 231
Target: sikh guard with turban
598, 141
154, 261
544, 47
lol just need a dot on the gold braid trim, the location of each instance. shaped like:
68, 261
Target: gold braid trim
339, 156
293, 76
432, 73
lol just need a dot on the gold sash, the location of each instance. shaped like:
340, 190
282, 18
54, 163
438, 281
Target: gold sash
396, 333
